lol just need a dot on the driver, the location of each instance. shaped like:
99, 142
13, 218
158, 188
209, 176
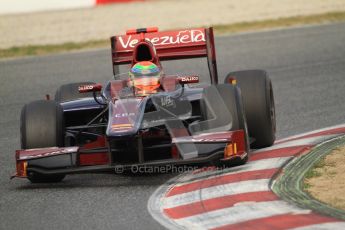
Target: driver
144, 77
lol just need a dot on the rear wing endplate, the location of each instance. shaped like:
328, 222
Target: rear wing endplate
169, 45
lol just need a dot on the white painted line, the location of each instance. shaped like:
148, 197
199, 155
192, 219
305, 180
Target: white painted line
216, 191
239, 213
312, 132
299, 142
325, 226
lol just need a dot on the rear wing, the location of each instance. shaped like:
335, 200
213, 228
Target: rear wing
169, 45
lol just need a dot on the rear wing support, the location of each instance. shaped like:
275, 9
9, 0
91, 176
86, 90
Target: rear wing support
168, 45
211, 55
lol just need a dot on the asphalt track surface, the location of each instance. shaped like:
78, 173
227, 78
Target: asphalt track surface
307, 68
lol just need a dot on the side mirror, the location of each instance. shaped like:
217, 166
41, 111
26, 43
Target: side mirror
90, 88
188, 79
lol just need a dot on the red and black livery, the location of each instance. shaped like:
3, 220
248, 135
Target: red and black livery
90, 127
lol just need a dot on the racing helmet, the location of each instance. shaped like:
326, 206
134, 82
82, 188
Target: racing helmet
145, 77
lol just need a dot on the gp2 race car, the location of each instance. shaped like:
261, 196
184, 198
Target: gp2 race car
90, 127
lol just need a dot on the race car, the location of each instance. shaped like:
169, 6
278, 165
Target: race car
146, 117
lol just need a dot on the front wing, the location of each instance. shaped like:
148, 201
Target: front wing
94, 157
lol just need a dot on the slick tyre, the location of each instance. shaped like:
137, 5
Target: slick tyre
69, 92
41, 125
257, 93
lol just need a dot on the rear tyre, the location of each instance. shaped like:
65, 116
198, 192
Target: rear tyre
258, 100
69, 92
232, 99
41, 125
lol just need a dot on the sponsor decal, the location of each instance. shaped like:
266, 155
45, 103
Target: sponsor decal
182, 37
85, 87
121, 126
117, 115
47, 152
189, 79
188, 140
167, 102
89, 88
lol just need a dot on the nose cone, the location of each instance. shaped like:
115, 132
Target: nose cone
125, 116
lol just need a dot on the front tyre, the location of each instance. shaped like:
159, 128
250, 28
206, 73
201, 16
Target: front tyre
41, 126
258, 100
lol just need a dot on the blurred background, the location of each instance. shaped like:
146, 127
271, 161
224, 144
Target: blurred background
38, 22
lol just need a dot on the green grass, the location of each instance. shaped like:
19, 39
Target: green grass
49, 49
281, 22
313, 172
219, 29
318, 170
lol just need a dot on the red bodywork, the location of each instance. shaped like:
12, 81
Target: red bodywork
97, 158
169, 45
